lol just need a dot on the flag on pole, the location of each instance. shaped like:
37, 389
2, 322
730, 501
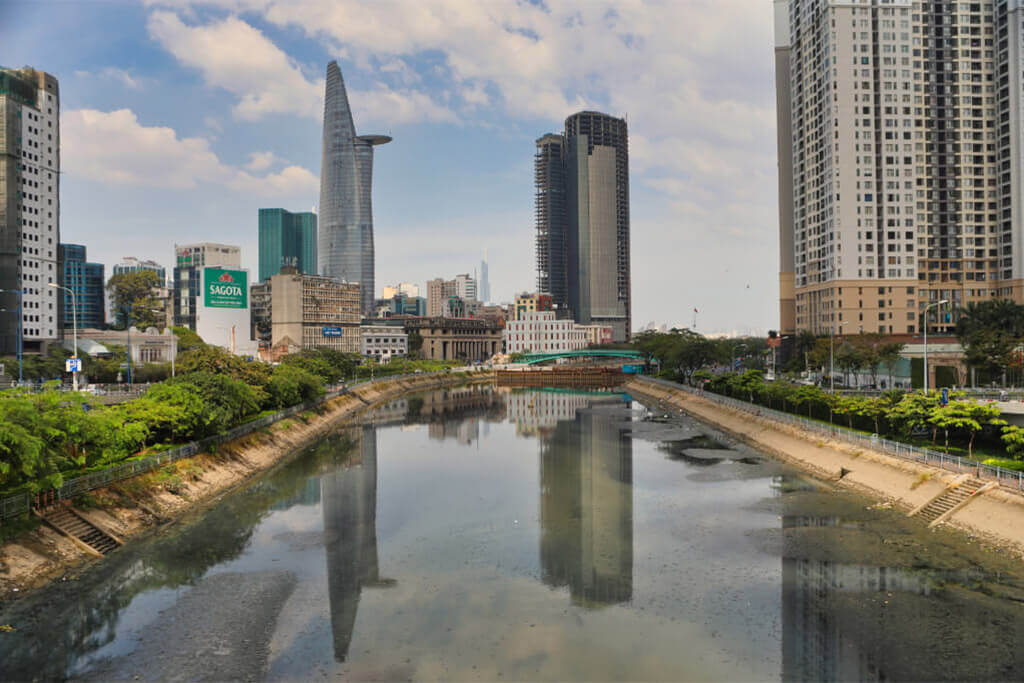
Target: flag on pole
695, 310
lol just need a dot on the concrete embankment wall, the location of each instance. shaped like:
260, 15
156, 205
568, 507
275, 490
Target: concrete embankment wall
133, 506
997, 516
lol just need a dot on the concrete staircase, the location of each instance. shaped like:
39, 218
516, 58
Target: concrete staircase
959, 493
69, 522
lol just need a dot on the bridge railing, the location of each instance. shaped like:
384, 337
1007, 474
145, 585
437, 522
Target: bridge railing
20, 504
1008, 479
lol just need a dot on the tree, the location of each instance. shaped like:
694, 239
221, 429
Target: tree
187, 339
913, 411
989, 331
132, 293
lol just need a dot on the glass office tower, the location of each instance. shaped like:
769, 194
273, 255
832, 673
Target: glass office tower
345, 242
287, 239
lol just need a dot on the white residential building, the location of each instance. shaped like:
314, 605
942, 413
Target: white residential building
540, 331
29, 208
384, 342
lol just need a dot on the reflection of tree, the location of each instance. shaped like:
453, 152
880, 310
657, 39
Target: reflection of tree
67, 621
587, 510
350, 534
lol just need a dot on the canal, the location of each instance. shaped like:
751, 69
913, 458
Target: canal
487, 534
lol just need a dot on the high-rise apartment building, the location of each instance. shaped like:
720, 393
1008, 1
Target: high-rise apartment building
29, 208
904, 160
189, 260
286, 240
88, 282
310, 311
406, 288
130, 264
439, 291
582, 215
345, 240
465, 287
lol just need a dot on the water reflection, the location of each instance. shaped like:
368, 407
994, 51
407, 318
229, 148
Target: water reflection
586, 498
350, 536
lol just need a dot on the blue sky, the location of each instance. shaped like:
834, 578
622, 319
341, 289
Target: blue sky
180, 119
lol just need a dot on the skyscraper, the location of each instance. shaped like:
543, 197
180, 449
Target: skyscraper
29, 208
345, 238
484, 285
904, 160
582, 216
287, 239
87, 281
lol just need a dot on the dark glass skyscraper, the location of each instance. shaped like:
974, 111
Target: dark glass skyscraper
287, 239
345, 238
582, 212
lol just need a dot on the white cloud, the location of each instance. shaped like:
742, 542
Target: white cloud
112, 73
382, 105
236, 57
261, 161
114, 148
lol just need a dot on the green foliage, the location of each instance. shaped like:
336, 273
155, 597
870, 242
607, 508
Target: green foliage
187, 339
1013, 439
133, 293
228, 400
38, 367
330, 365
289, 384
1006, 464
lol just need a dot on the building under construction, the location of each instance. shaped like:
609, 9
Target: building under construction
582, 220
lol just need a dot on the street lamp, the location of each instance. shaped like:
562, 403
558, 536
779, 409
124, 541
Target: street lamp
831, 358
937, 303
74, 321
18, 312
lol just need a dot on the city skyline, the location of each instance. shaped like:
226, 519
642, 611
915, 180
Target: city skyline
201, 113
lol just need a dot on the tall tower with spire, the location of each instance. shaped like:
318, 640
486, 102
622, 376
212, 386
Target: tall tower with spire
345, 241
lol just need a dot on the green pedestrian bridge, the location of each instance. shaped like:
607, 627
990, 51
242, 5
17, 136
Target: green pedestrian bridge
537, 358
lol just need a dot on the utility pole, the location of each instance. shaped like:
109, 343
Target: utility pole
937, 303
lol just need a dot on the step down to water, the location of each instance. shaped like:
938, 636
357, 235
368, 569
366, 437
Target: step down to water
81, 531
955, 496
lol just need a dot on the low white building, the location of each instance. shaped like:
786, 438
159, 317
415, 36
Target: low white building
384, 342
540, 332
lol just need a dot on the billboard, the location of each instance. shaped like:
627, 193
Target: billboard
224, 288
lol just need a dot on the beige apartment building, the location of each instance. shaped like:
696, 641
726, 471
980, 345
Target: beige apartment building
308, 311
900, 157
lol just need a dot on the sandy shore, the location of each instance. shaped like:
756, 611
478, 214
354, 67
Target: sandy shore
134, 506
997, 516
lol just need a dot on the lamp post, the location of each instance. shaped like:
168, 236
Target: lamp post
74, 333
937, 303
18, 312
832, 357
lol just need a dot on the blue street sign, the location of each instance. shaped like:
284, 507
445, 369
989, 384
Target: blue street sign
332, 331
945, 396
73, 365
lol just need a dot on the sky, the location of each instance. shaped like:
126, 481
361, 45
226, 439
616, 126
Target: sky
181, 118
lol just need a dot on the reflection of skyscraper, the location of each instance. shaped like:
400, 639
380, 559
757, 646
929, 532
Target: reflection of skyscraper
345, 241
586, 510
816, 645
350, 536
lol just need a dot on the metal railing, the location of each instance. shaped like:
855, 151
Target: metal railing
21, 503
1009, 479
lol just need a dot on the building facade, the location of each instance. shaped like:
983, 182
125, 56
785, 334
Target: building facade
900, 181
189, 260
459, 339
587, 233
384, 342
287, 240
438, 292
539, 332
29, 209
406, 288
531, 303
88, 283
466, 287
345, 241
312, 310
130, 264
260, 313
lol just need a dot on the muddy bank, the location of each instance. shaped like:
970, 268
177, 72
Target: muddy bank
133, 506
997, 517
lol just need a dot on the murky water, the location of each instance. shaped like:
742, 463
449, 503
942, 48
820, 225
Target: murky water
490, 535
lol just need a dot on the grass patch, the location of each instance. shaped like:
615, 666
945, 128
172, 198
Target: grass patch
922, 478
1005, 463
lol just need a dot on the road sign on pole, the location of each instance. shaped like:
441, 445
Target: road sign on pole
73, 365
